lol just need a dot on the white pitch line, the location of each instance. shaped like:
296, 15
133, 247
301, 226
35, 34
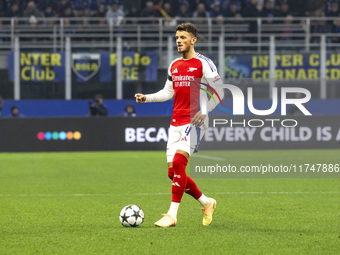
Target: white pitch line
275, 192
157, 194
253, 192
208, 157
149, 194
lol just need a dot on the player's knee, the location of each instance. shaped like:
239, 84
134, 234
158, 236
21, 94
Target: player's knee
179, 163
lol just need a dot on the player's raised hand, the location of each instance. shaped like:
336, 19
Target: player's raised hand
140, 98
198, 119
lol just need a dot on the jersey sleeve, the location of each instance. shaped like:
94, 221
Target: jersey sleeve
212, 78
164, 94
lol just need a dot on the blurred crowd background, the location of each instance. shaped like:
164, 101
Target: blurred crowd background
164, 8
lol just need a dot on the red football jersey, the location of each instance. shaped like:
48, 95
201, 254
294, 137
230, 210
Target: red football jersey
184, 76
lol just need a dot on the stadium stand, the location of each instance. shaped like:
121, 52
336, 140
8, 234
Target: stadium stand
94, 25
208, 8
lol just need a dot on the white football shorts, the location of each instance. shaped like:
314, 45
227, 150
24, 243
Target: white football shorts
185, 138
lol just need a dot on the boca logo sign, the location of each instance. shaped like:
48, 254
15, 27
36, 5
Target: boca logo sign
86, 65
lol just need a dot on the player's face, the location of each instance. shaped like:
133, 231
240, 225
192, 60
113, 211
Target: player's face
185, 41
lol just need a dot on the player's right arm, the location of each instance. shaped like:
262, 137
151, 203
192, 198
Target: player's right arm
163, 95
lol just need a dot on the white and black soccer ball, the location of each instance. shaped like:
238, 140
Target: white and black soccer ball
131, 216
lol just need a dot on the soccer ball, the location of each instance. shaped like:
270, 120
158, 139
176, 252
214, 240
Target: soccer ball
131, 216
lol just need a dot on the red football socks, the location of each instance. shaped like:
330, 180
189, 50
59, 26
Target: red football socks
191, 187
179, 181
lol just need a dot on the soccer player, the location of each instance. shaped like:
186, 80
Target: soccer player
189, 119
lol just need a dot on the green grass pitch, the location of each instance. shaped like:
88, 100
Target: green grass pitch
69, 203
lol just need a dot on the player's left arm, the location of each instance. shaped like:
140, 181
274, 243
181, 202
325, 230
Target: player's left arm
213, 79
214, 85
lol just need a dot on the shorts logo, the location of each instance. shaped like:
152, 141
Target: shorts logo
184, 139
177, 176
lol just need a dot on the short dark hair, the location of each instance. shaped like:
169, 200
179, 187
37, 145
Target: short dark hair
188, 27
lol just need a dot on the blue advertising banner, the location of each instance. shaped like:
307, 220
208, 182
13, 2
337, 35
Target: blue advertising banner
136, 66
38, 66
287, 67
